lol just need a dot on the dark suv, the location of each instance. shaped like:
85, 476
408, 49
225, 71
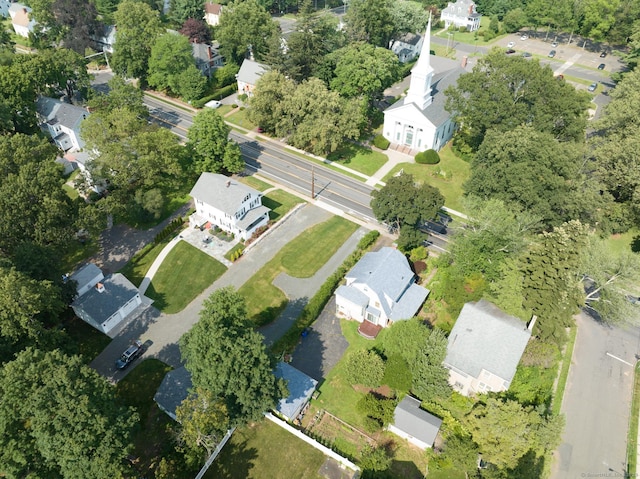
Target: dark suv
132, 352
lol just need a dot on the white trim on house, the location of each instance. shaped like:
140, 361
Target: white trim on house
462, 13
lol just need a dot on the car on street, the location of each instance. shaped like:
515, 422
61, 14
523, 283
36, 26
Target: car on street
554, 44
552, 54
524, 37
603, 54
132, 352
601, 66
592, 87
526, 54
510, 51
511, 45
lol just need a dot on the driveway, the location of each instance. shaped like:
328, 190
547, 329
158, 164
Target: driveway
597, 402
161, 332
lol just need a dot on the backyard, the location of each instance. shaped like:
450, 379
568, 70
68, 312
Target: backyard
300, 258
448, 176
183, 275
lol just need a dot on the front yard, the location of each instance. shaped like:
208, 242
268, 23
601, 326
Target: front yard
183, 275
280, 202
301, 258
359, 158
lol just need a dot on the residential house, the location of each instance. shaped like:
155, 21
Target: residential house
249, 74
108, 303
414, 424
173, 390
419, 121
62, 122
86, 278
232, 206
380, 289
461, 14
208, 58
407, 47
485, 347
4, 7
21, 19
79, 160
105, 39
301, 387
212, 13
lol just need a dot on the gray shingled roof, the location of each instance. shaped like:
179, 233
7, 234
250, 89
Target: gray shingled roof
409, 302
250, 71
251, 216
447, 74
212, 189
485, 337
173, 390
410, 38
385, 272
56, 111
300, 386
85, 274
354, 295
409, 418
101, 306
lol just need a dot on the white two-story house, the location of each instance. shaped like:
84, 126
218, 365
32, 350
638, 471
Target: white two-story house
380, 289
232, 206
62, 122
461, 14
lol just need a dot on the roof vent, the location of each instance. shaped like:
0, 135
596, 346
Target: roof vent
100, 287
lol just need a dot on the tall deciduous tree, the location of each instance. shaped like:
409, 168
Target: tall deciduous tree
170, 56
61, 70
245, 26
59, 418
121, 95
203, 421
138, 28
196, 31
370, 21
504, 92
228, 358
268, 98
181, 10
210, 143
408, 17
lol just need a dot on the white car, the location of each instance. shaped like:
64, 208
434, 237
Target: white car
511, 45
213, 104
524, 37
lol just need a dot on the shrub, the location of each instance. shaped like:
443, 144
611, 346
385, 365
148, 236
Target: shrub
368, 239
374, 459
419, 266
381, 142
397, 374
243, 97
418, 254
462, 29
365, 367
428, 157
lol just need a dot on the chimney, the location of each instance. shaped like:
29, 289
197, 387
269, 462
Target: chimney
532, 322
25, 11
100, 287
228, 183
464, 61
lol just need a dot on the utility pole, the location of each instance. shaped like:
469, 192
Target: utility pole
313, 183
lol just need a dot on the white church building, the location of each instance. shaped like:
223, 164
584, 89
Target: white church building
419, 121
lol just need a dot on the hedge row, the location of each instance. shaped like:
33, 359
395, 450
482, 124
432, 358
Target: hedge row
168, 230
314, 307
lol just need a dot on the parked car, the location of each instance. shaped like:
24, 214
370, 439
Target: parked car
524, 37
603, 54
213, 104
526, 54
601, 66
554, 44
511, 45
593, 87
132, 352
510, 51
434, 227
552, 54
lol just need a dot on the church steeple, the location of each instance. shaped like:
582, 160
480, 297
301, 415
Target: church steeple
421, 74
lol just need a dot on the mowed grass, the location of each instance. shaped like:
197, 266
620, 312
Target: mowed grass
136, 269
632, 435
239, 118
265, 450
153, 440
448, 176
280, 202
359, 158
304, 256
184, 274
255, 183
624, 242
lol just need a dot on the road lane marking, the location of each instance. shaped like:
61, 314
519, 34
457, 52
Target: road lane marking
619, 359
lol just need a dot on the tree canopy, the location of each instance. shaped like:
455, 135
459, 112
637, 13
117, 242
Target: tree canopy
171, 55
212, 149
182, 10
370, 21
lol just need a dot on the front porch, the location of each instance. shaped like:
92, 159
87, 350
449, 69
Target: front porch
369, 330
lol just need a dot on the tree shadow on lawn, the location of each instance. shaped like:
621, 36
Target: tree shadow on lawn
405, 469
347, 152
234, 462
159, 299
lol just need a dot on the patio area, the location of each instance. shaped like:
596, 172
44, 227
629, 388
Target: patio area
205, 241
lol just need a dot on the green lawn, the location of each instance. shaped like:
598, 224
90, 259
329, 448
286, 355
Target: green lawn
89, 342
632, 435
629, 241
558, 394
280, 202
448, 176
184, 274
240, 119
472, 38
254, 182
326, 165
304, 256
136, 269
77, 253
264, 450
154, 439
359, 158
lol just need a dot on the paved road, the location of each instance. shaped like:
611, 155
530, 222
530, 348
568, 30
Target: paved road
161, 332
597, 402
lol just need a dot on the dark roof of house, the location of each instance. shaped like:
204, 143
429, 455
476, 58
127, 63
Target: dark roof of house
409, 38
86, 274
409, 418
56, 111
100, 306
300, 387
173, 390
221, 192
485, 337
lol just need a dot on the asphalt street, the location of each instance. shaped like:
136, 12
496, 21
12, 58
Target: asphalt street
597, 402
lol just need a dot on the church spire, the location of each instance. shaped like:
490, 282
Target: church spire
421, 74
